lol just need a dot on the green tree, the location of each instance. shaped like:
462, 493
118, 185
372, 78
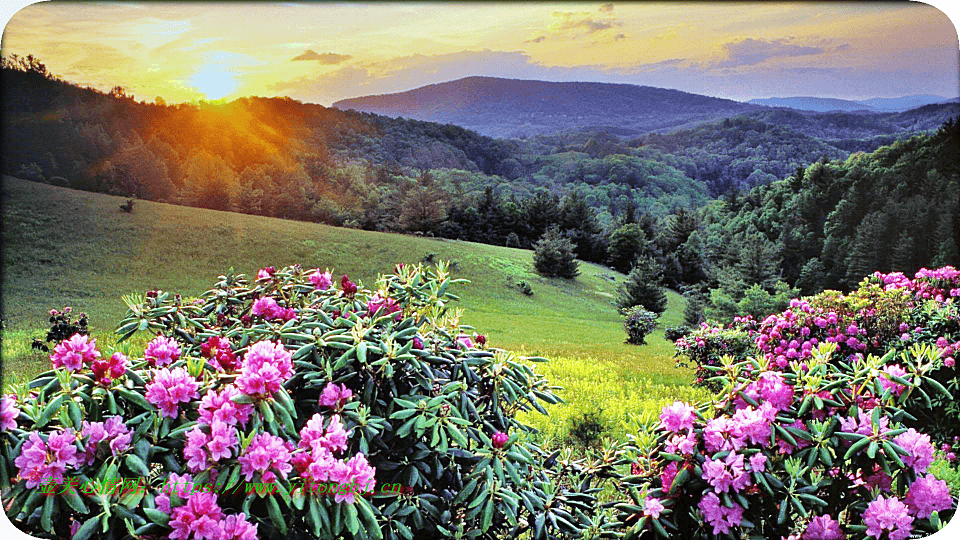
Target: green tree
553, 256
626, 244
643, 288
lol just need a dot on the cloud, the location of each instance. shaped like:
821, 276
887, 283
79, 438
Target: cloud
537, 39
606, 8
327, 59
750, 51
578, 22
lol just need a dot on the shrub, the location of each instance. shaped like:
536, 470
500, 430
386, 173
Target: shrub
587, 428
638, 323
554, 256
642, 288
290, 378
705, 346
887, 312
673, 333
817, 450
525, 288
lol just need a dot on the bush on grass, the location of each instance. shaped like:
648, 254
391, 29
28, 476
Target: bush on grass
287, 379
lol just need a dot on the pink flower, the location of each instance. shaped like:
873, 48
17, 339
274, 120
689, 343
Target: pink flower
723, 475
105, 371
181, 484
219, 349
73, 353
755, 423
823, 528
758, 462
334, 396
927, 495
199, 519
162, 351
332, 437
359, 475
321, 281
920, 450
113, 432
677, 417
652, 507
170, 388
265, 454
387, 304
348, 287
266, 273
214, 406
723, 434
45, 462
464, 341
775, 390
499, 439
888, 515
718, 515
8, 412
668, 475
267, 308
236, 527
682, 444
888, 384
266, 366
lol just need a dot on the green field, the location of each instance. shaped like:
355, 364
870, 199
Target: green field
65, 247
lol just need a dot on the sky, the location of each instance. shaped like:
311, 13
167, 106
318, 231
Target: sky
324, 52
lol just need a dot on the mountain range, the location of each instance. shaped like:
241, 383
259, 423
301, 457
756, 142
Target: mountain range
515, 108
512, 108
819, 104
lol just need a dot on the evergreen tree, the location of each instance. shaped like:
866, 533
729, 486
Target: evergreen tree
553, 256
626, 244
643, 288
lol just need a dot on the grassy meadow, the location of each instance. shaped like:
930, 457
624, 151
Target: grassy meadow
65, 247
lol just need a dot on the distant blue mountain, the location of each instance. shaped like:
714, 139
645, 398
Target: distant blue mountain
904, 103
810, 103
818, 104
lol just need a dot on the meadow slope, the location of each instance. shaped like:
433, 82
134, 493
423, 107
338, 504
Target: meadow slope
67, 247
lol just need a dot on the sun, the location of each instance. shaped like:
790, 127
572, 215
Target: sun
213, 82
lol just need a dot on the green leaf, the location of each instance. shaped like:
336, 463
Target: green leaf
136, 465
157, 516
86, 530
50, 410
352, 523
273, 508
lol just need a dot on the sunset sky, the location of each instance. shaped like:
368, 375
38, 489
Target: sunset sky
324, 52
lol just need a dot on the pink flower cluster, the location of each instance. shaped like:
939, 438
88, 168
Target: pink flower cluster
105, 371
115, 435
893, 370
265, 367
321, 281
335, 396
268, 308
920, 450
927, 495
823, 528
201, 518
718, 515
387, 304
220, 406
888, 515
266, 273
267, 454
219, 349
8, 412
940, 284
947, 351
499, 439
73, 353
795, 333
181, 484
162, 351
170, 388
316, 461
42, 462
204, 448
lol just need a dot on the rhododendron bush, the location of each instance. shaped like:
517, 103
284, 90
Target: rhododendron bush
811, 449
292, 378
886, 312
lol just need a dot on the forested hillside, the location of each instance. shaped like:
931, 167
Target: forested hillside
830, 224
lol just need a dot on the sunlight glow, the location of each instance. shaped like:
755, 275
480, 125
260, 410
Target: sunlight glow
214, 82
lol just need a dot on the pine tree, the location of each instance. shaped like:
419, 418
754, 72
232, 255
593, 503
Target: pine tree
553, 256
643, 288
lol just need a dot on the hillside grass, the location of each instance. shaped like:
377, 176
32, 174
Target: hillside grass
66, 247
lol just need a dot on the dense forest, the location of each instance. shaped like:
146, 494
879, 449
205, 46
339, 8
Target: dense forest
743, 209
